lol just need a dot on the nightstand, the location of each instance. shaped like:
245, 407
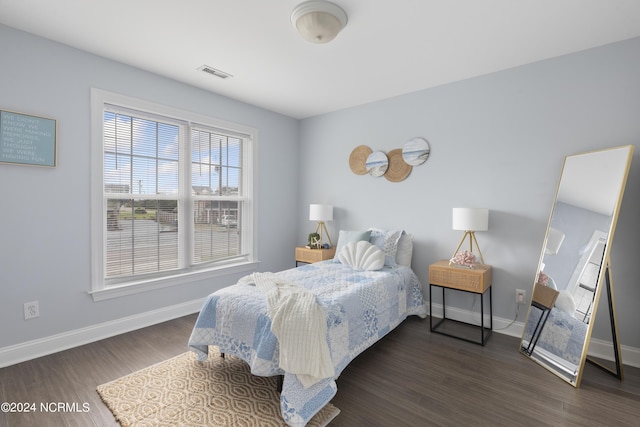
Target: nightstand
476, 280
544, 298
308, 256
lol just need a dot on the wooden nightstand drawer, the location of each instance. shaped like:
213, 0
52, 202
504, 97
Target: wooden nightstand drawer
476, 279
314, 255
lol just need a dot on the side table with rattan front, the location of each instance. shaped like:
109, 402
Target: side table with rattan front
476, 280
308, 256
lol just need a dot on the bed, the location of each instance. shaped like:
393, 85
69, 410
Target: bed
361, 302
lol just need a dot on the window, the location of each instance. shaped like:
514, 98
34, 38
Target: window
588, 272
171, 196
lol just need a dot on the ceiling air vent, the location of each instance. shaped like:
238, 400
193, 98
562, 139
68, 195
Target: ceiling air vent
215, 72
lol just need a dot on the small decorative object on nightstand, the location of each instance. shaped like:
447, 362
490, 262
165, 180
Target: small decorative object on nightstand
309, 256
475, 280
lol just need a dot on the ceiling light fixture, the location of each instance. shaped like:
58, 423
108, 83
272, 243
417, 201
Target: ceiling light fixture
318, 21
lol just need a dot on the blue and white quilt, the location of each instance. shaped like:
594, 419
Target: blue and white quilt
563, 335
361, 308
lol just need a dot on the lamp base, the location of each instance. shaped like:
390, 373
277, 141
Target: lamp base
472, 238
319, 228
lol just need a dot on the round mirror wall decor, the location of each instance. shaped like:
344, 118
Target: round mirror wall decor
395, 165
377, 163
398, 169
415, 151
358, 159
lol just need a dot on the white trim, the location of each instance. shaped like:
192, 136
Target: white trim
97, 197
103, 96
48, 345
597, 348
604, 350
100, 288
130, 288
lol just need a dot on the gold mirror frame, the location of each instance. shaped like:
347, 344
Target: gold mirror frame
562, 314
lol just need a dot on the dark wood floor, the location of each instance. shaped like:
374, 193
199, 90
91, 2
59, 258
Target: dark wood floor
410, 378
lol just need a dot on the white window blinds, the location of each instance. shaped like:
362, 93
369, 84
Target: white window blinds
141, 163
164, 212
218, 195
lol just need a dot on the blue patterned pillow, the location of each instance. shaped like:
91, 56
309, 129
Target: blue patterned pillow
387, 241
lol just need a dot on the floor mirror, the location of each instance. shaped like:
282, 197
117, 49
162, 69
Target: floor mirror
575, 264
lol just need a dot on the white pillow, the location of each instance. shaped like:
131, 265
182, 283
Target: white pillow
349, 236
405, 250
362, 255
566, 303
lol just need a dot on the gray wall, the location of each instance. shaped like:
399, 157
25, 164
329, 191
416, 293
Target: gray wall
497, 141
45, 218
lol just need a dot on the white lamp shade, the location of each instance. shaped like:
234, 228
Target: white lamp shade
554, 241
320, 212
470, 219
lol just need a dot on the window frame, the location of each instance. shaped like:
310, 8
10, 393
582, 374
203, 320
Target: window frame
102, 288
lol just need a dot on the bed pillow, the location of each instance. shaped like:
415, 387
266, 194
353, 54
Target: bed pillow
350, 236
387, 241
362, 255
566, 303
405, 250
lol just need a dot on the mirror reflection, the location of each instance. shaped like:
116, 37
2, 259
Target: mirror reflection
574, 260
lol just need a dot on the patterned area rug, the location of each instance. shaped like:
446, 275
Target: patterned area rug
185, 392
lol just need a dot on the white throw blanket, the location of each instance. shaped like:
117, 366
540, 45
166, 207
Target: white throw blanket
300, 325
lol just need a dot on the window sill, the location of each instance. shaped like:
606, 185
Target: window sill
131, 288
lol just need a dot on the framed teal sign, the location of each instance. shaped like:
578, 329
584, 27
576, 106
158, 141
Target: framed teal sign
27, 140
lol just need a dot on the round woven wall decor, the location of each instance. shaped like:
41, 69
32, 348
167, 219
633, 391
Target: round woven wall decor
398, 169
358, 159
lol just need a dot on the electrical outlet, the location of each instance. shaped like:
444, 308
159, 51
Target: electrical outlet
521, 296
31, 310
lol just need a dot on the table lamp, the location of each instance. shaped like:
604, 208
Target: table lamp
321, 213
555, 238
470, 220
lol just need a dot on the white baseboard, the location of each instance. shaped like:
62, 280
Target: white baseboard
604, 350
597, 348
66, 340
55, 343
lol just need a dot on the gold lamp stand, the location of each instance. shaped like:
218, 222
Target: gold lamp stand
472, 238
319, 228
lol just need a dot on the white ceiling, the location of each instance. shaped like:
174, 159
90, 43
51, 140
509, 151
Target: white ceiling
388, 47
